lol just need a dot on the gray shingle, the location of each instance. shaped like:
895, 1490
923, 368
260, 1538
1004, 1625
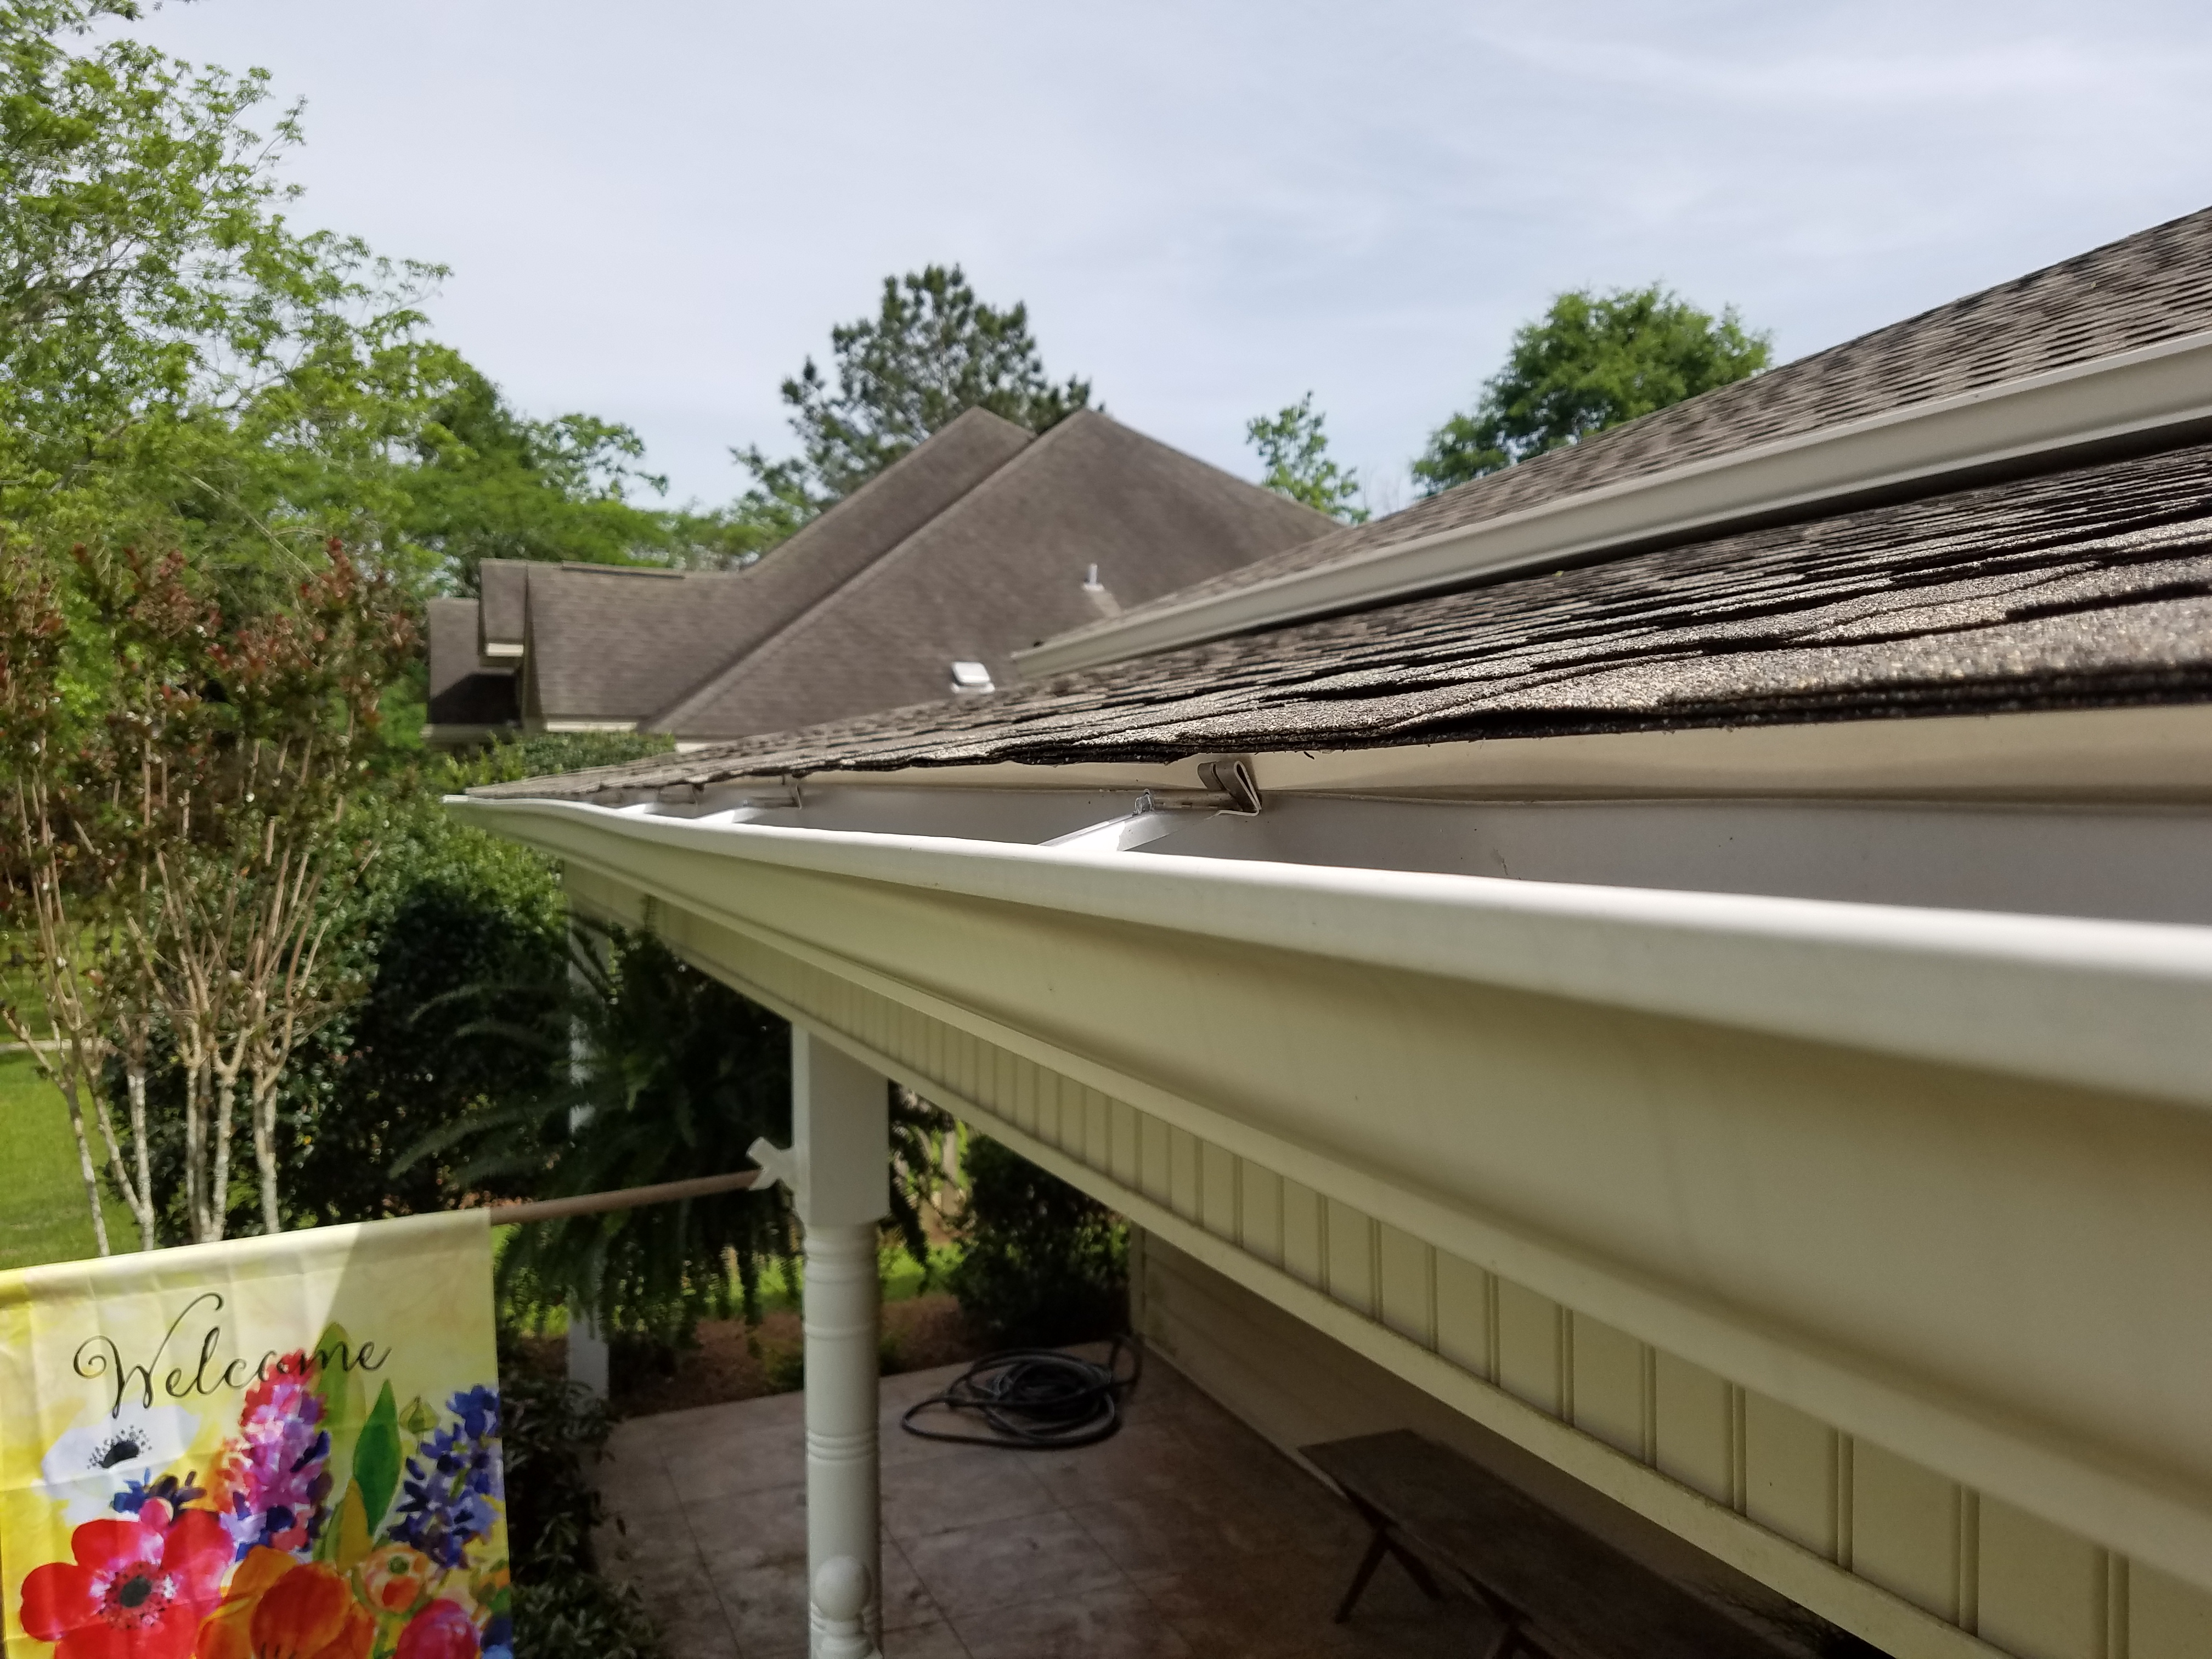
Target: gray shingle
999, 567
502, 584
462, 692
2090, 587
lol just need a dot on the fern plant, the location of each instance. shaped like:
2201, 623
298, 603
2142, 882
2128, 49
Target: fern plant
671, 1075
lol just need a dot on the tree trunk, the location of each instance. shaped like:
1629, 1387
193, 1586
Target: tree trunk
84, 1161
195, 1147
107, 1118
134, 1081
221, 1121
265, 1151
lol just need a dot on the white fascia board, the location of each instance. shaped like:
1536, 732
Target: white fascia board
2113, 1005
2110, 398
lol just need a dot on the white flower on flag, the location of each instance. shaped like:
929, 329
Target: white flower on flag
100, 1457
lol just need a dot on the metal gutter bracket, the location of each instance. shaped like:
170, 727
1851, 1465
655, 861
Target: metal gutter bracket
1233, 778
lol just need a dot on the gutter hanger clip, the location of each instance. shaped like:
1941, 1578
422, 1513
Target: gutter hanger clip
1232, 778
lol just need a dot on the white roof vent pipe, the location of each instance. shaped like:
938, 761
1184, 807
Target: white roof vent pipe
1102, 603
971, 679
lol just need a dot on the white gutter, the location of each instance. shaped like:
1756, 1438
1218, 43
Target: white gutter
2168, 384
2102, 1005
1988, 1261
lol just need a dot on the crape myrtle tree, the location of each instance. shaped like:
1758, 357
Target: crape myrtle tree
189, 799
1294, 449
933, 351
1592, 362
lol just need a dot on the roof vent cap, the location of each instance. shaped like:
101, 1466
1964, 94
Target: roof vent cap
1090, 582
971, 679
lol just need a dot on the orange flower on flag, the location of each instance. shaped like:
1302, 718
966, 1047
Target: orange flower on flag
280, 1608
395, 1578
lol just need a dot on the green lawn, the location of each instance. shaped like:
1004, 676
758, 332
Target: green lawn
43, 1216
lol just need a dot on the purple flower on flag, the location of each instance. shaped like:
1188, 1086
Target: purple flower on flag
453, 1480
275, 1477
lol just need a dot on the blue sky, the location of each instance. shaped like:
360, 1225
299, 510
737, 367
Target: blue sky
654, 211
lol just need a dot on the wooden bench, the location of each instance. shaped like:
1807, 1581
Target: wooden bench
1554, 1588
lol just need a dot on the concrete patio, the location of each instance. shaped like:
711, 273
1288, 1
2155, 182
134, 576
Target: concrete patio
1184, 1534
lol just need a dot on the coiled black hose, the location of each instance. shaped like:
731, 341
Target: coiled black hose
1036, 1398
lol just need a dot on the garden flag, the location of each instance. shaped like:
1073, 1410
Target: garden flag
279, 1447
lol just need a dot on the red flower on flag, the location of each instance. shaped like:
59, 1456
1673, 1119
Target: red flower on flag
440, 1630
138, 1589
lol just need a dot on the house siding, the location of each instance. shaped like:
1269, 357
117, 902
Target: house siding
1914, 1562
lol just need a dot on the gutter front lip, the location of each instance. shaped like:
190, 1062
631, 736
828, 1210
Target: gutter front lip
2164, 385
2102, 1005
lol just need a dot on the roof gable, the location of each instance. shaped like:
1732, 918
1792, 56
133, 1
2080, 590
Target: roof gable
608, 643
1000, 567
501, 583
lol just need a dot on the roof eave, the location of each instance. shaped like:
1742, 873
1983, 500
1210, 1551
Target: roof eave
1218, 986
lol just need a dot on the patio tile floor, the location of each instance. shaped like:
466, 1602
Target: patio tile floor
1185, 1534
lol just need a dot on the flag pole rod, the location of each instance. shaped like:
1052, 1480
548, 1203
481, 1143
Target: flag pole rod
512, 1211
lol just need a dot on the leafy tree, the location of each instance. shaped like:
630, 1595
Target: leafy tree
178, 366
1594, 361
1295, 450
455, 933
457, 940
932, 352
491, 483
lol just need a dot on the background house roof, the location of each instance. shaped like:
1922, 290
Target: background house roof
608, 643
999, 567
504, 585
2089, 587
830, 551
2154, 286
462, 692
975, 543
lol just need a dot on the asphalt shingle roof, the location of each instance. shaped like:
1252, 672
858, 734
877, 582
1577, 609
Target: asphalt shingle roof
2153, 286
972, 545
2087, 587
999, 567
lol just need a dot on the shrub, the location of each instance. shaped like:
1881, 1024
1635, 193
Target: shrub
552, 1432
1042, 1263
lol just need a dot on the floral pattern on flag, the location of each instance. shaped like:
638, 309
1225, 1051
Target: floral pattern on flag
282, 1448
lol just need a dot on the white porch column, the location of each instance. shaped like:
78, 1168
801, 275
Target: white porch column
841, 1153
